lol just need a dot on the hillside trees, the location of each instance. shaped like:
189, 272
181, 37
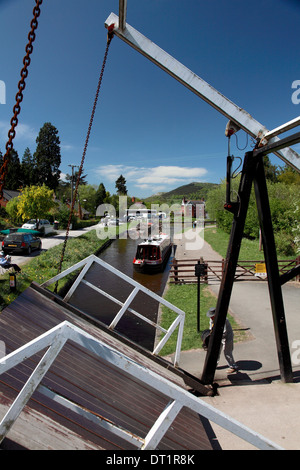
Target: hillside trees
284, 203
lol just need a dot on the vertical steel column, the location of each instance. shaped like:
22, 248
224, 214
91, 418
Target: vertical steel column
240, 212
274, 282
253, 171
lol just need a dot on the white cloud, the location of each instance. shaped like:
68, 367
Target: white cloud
154, 179
24, 132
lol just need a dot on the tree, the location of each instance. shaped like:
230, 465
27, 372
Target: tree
100, 195
87, 196
13, 180
288, 175
271, 171
82, 179
28, 168
35, 202
47, 156
121, 185
12, 210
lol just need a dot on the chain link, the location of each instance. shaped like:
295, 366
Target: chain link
109, 38
19, 95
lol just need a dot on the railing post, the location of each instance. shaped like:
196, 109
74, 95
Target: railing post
175, 264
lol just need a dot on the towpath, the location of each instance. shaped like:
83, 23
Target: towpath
255, 396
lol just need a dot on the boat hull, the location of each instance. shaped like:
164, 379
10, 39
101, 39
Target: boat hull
153, 266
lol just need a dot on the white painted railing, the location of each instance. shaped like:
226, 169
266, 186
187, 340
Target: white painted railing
56, 338
86, 264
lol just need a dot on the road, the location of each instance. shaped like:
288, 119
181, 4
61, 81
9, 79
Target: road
48, 242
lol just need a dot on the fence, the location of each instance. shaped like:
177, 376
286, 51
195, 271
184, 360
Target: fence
55, 339
86, 264
183, 271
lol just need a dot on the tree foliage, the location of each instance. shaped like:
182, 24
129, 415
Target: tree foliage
13, 180
100, 195
35, 202
284, 200
47, 156
28, 169
121, 186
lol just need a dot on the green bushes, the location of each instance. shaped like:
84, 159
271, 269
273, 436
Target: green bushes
284, 201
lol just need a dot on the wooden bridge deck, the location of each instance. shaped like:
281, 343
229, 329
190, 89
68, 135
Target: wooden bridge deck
88, 381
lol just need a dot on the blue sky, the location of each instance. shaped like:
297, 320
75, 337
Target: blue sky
148, 127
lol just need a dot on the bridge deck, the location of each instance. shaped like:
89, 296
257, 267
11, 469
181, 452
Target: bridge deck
88, 381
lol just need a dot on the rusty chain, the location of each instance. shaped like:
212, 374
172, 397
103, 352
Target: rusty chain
109, 38
19, 95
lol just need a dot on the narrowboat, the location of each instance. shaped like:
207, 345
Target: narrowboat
152, 254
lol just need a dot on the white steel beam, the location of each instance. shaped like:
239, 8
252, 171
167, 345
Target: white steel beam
198, 86
285, 127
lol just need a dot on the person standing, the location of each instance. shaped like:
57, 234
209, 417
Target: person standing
227, 341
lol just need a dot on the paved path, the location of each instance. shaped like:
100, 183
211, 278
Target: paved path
49, 242
255, 396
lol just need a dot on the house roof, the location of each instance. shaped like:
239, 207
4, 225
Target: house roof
10, 194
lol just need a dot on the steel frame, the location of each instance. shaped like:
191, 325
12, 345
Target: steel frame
86, 264
197, 85
55, 339
253, 172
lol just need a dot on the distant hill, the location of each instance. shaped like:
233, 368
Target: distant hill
192, 191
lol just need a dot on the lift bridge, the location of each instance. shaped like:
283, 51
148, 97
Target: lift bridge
98, 388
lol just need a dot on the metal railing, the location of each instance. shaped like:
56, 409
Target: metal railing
55, 339
86, 264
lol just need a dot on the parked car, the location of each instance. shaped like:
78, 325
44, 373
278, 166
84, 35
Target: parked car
43, 225
24, 242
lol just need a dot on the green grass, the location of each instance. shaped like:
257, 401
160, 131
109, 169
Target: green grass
45, 266
249, 248
184, 296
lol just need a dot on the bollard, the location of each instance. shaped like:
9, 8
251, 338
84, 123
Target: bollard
12, 282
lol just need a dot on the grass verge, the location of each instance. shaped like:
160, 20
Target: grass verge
184, 296
45, 266
249, 250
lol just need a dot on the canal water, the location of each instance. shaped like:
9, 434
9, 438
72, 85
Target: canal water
120, 255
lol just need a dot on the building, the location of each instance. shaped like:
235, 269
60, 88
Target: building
8, 195
195, 209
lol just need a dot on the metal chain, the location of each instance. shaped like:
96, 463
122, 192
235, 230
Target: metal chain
19, 95
109, 38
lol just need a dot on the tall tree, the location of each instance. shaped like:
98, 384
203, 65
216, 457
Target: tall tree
271, 171
100, 194
47, 156
13, 178
28, 168
121, 185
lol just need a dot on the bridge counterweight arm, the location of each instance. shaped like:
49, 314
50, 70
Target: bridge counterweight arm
198, 86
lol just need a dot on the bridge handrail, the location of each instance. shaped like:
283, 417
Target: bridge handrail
55, 339
86, 264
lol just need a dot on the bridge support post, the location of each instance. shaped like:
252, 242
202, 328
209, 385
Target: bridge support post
253, 171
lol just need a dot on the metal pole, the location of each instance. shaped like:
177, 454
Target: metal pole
229, 269
274, 281
198, 303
